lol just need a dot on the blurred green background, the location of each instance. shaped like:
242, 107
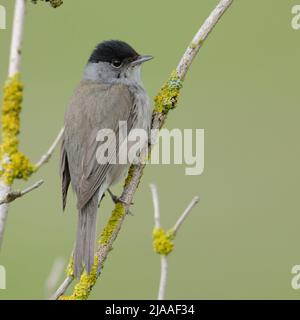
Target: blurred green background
243, 238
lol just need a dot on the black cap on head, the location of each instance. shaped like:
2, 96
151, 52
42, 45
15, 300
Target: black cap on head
111, 50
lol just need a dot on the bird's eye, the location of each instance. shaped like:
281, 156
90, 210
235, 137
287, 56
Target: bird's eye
116, 63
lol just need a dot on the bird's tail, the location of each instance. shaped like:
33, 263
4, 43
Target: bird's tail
85, 240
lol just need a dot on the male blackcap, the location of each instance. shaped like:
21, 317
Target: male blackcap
111, 91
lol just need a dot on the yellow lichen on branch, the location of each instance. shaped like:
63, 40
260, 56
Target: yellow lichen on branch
83, 288
14, 164
168, 95
112, 224
129, 176
54, 3
163, 241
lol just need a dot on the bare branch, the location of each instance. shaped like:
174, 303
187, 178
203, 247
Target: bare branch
185, 214
4, 190
201, 36
163, 277
46, 157
62, 289
155, 205
54, 275
13, 195
17, 38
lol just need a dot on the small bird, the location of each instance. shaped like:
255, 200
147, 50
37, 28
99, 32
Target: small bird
110, 91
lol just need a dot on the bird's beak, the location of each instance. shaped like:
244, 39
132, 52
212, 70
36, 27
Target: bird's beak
140, 59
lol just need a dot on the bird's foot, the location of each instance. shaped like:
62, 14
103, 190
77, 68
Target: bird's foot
117, 199
114, 198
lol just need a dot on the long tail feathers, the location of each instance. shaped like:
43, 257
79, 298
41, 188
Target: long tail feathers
85, 240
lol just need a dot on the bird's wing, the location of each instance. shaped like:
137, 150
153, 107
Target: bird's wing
105, 110
64, 174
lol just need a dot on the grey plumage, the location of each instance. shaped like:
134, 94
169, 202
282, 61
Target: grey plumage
105, 96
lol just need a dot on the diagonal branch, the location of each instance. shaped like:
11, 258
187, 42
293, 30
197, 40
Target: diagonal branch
184, 215
164, 101
46, 157
201, 36
62, 288
56, 271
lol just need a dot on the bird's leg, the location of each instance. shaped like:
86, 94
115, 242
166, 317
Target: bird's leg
116, 199
99, 201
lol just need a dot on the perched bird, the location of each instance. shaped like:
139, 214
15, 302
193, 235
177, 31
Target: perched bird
110, 91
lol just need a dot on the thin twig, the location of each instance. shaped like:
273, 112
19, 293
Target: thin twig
17, 38
163, 277
158, 120
62, 289
201, 36
184, 215
46, 157
13, 195
155, 205
54, 275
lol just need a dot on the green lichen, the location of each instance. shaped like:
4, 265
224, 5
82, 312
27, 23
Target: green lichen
163, 241
54, 3
13, 163
168, 95
116, 216
84, 287
129, 176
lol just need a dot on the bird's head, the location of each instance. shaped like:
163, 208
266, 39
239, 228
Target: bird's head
113, 60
